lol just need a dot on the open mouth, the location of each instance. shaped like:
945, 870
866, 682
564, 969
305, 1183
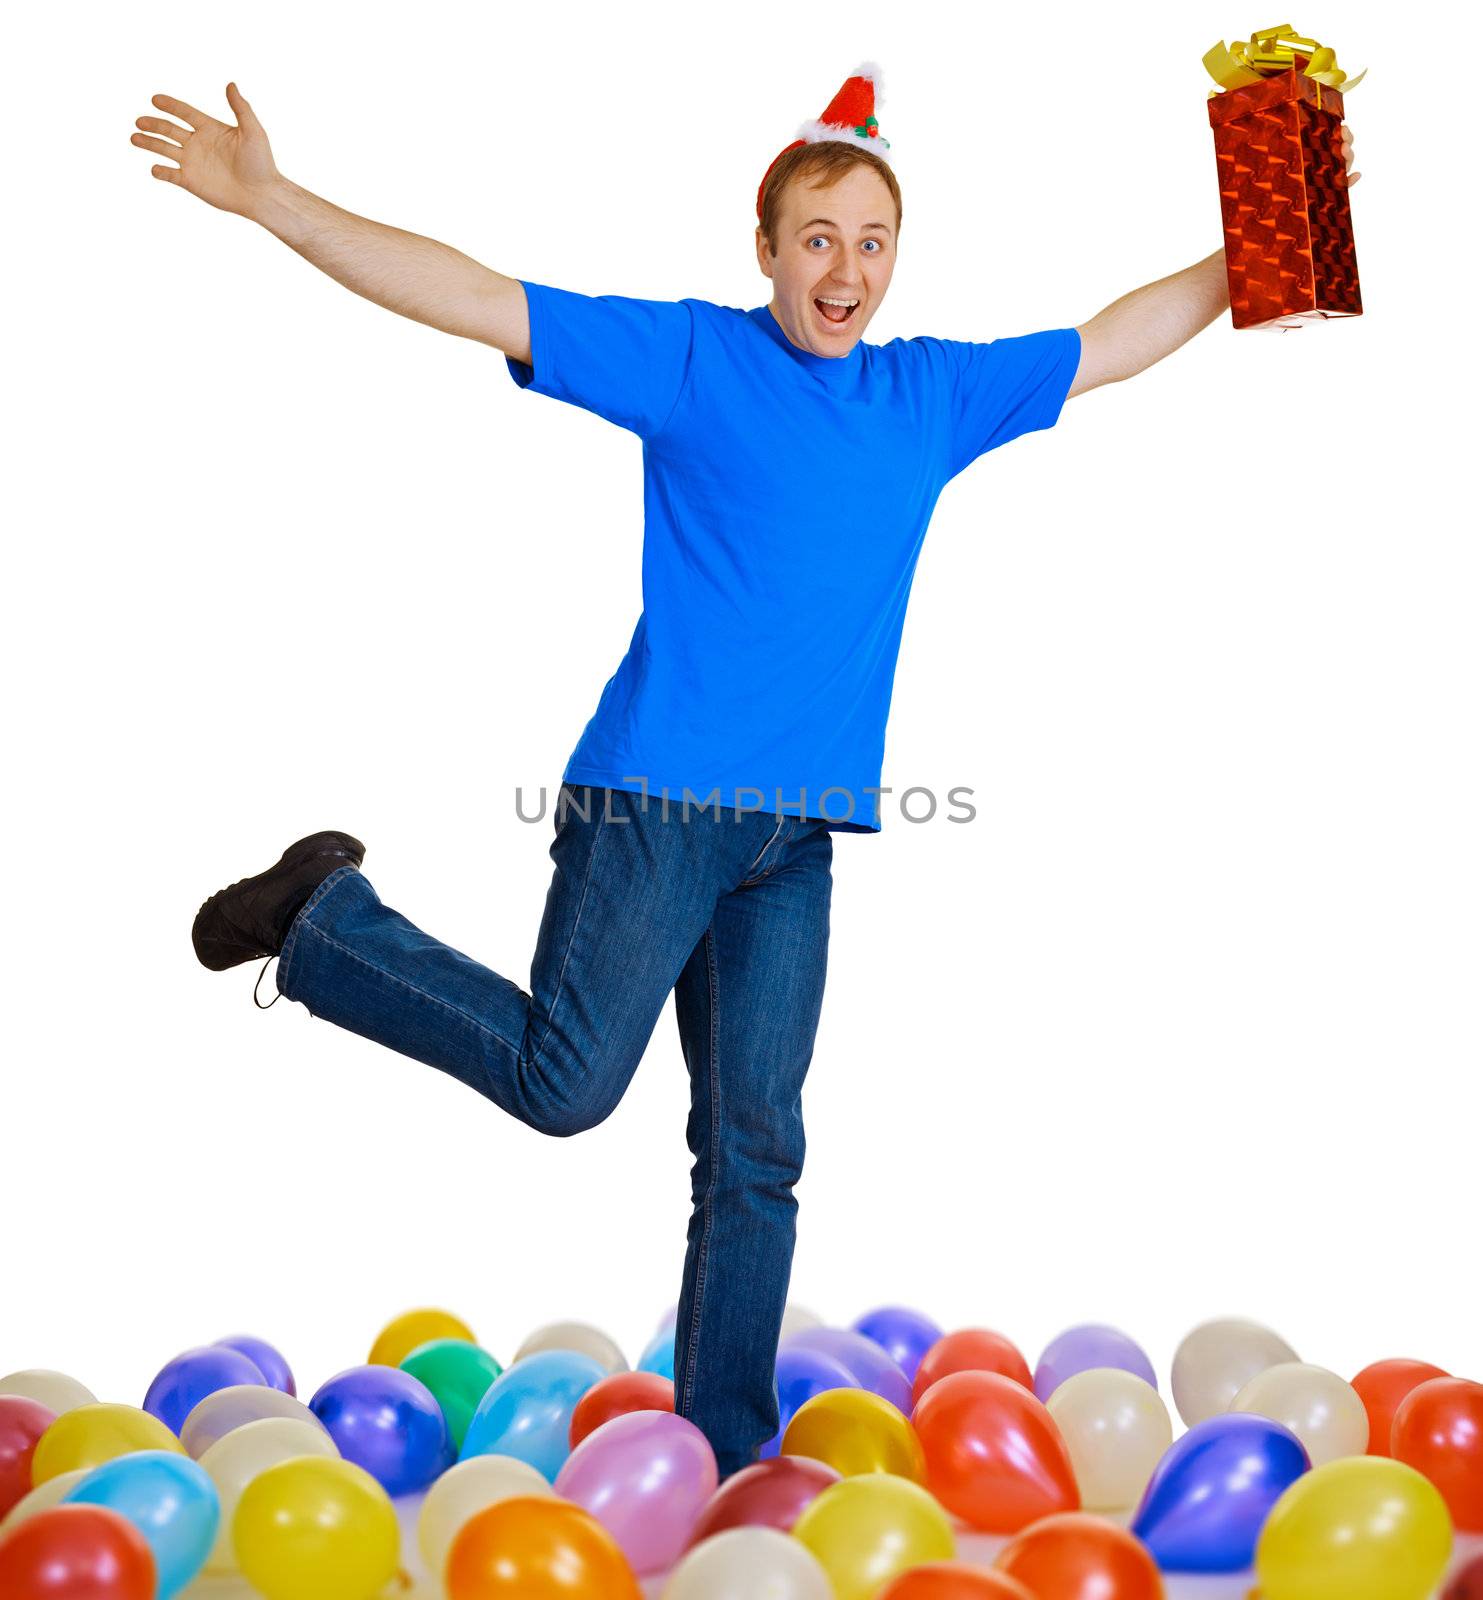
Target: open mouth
837, 311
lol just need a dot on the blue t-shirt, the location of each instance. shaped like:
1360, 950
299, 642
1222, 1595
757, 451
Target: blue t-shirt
786, 495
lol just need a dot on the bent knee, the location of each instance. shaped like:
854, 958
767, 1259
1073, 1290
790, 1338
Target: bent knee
563, 1119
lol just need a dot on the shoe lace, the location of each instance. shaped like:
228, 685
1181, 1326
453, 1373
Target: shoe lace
276, 998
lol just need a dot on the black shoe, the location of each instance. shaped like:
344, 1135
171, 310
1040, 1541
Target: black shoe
251, 918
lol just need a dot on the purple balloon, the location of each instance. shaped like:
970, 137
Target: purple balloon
646, 1476
1080, 1349
265, 1358
862, 1358
385, 1420
905, 1335
801, 1374
183, 1383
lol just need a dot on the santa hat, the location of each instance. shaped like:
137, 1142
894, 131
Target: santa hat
849, 117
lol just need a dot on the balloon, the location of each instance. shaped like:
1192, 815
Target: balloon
457, 1374
169, 1499
470, 1487
314, 1528
265, 1358
870, 1529
527, 1410
749, 1564
862, 1358
87, 1436
384, 1420
1074, 1556
22, 1423
1092, 1344
905, 1335
771, 1494
994, 1455
537, 1549
796, 1319
183, 1383
239, 1456
646, 1477
659, 1354
54, 1390
855, 1431
970, 1350
50, 1493
617, 1395
800, 1374
1382, 1386
1117, 1430
76, 1553
953, 1580
1214, 1490
579, 1336
218, 1414
1316, 1404
1217, 1360
1438, 1429
401, 1336
668, 1320
1466, 1584
1359, 1529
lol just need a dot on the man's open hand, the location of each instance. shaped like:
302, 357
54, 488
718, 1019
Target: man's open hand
1346, 144
230, 168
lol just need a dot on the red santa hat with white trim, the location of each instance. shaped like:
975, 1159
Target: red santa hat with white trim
849, 117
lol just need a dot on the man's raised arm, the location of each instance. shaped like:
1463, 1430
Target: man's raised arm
232, 169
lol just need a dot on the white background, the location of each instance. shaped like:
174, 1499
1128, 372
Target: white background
1186, 1023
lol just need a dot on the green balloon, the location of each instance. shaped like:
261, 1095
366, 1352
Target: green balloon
457, 1373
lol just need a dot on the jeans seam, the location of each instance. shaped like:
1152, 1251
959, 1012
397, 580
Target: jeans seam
763, 851
285, 955
707, 1203
566, 954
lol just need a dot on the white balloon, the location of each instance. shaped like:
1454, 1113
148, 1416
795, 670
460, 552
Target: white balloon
1219, 1359
1117, 1429
463, 1491
239, 1456
579, 1336
220, 1412
749, 1564
796, 1318
54, 1390
41, 1497
1318, 1405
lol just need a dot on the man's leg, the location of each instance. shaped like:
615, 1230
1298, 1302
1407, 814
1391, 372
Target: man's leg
748, 1005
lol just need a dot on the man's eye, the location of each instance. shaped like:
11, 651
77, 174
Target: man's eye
817, 237
876, 243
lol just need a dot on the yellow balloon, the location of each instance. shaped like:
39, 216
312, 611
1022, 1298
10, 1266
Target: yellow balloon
855, 1432
87, 1436
869, 1529
401, 1336
1364, 1528
314, 1528
240, 1456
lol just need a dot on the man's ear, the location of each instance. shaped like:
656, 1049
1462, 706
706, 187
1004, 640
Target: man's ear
764, 255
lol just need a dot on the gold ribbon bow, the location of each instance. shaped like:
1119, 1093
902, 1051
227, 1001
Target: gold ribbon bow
1270, 51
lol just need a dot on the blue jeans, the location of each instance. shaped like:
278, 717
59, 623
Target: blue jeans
729, 911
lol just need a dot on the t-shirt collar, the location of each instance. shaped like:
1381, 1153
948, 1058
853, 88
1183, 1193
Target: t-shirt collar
832, 369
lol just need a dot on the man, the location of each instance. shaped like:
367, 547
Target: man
790, 473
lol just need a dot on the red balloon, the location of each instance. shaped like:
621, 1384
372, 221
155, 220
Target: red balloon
954, 1580
971, 1350
616, 1396
1081, 1557
1468, 1584
1438, 1429
1382, 1386
995, 1456
768, 1494
76, 1552
22, 1423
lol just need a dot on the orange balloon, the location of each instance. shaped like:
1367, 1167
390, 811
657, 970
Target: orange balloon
1382, 1386
995, 1456
1438, 1430
529, 1548
954, 1580
616, 1396
1080, 1557
971, 1350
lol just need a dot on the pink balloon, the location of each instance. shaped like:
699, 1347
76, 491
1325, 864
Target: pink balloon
645, 1476
768, 1494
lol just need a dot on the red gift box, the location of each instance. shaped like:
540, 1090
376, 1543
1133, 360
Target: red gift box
1284, 195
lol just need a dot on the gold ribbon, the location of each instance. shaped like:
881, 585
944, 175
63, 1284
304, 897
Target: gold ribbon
1271, 51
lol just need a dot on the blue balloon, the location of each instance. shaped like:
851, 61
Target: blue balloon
865, 1361
905, 1335
183, 1383
265, 1358
659, 1354
169, 1499
387, 1421
1205, 1505
801, 1374
527, 1411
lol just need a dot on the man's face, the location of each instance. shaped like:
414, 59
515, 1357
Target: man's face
834, 243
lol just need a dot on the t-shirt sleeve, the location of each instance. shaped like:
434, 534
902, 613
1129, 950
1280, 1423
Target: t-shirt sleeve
1007, 387
628, 360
